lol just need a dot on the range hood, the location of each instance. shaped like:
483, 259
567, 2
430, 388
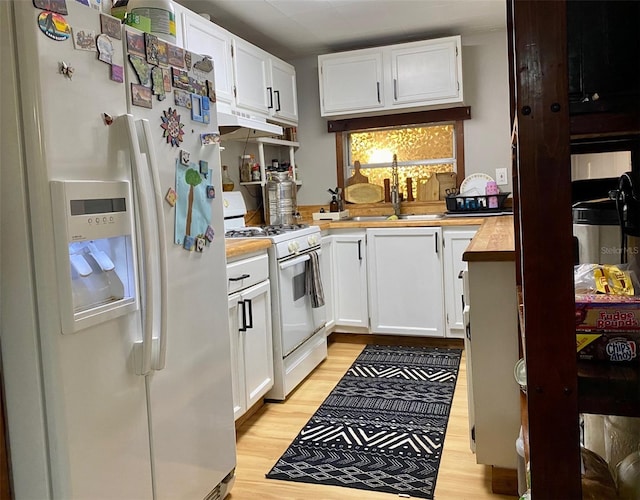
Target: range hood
240, 128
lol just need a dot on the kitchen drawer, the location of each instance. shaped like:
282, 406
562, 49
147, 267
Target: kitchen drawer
247, 272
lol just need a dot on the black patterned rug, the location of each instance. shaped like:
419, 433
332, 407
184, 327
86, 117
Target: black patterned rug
382, 427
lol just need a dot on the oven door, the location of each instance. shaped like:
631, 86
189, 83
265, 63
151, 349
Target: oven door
298, 320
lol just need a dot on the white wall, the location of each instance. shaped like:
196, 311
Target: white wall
487, 133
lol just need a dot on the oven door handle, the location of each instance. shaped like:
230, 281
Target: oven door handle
290, 263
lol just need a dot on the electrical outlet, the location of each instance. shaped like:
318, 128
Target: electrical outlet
501, 176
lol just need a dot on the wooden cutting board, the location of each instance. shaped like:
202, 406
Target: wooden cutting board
357, 177
364, 193
447, 180
429, 190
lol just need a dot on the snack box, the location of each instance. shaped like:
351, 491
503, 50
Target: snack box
614, 347
607, 327
607, 313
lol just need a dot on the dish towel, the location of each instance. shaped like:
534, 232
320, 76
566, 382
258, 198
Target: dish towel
313, 282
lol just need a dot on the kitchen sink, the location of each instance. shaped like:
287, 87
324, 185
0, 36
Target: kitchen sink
377, 218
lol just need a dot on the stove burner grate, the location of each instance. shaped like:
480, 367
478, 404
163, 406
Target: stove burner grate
283, 228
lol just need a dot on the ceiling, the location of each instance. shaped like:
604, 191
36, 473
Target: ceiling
291, 29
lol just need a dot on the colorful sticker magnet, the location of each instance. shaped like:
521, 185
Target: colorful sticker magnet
204, 167
187, 60
84, 40
57, 6
200, 244
141, 96
163, 53
196, 108
54, 26
211, 192
175, 56
171, 197
185, 157
142, 69
111, 26
182, 98
65, 69
135, 44
166, 79
211, 91
151, 46
173, 129
209, 233
209, 138
105, 48
205, 64
189, 242
180, 79
107, 118
117, 73
158, 83
206, 110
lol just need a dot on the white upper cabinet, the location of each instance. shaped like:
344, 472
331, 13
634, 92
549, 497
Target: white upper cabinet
426, 72
250, 66
204, 37
351, 81
283, 91
408, 75
248, 80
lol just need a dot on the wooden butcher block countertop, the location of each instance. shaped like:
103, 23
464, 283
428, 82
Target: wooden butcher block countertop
240, 246
494, 241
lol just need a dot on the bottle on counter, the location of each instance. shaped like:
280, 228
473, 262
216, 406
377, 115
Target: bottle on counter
227, 182
333, 206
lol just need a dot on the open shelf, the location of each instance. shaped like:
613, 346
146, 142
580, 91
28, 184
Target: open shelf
608, 389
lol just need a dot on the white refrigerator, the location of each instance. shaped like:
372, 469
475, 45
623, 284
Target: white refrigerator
128, 395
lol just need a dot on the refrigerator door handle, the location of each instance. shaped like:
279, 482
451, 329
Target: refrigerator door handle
143, 348
162, 243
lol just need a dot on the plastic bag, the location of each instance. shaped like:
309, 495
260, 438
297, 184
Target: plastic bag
607, 279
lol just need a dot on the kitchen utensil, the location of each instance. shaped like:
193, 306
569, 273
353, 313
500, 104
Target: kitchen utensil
475, 184
429, 190
364, 193
357, 177
447, 181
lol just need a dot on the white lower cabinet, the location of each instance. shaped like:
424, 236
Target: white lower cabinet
250, 331
405, 281
350, 280
326, 272
492, 351
455, 240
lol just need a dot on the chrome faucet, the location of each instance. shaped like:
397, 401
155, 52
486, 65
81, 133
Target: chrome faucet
395, 194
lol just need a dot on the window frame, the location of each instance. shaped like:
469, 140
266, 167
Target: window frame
449, 115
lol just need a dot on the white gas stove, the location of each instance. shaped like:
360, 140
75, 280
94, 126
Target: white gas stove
299, 336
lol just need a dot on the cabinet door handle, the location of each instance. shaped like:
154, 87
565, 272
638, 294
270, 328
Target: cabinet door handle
359, 249
270, 97
277, 93
395, 89
243, 328
460, 274
250, 314
378, 90
436, 242
240, 278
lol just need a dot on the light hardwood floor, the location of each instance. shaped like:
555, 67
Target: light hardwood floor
264, 436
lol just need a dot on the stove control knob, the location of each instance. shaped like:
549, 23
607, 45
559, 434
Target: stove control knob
294, 246
312, 240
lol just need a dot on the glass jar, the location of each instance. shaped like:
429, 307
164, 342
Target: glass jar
227, 182
246, 164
